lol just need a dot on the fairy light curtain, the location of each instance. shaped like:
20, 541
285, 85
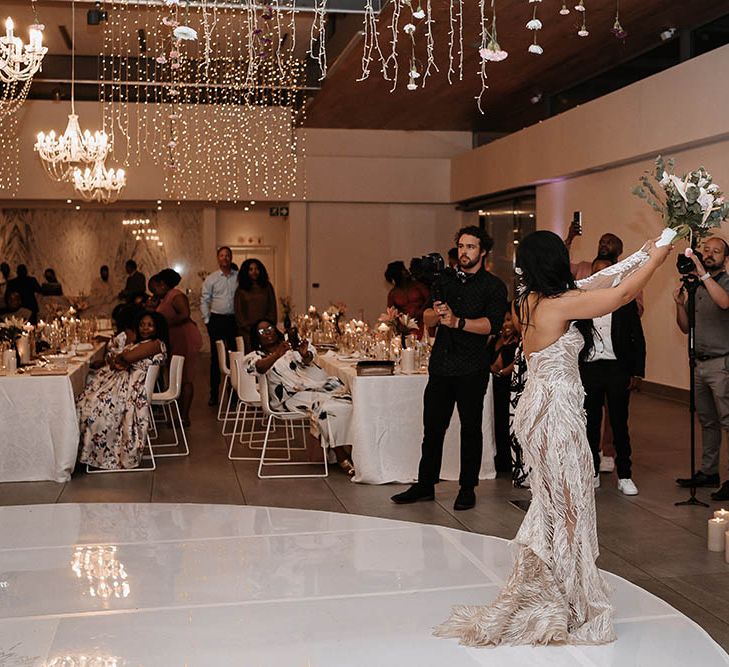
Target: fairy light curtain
213, 94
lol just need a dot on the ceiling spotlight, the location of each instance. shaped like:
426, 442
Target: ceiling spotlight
668, 33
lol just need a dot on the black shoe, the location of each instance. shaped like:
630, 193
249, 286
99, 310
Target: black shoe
213, 401
466, 499
699, 479
414, 494
722, 493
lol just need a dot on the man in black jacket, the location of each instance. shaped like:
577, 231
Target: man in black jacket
610, 371
469, 305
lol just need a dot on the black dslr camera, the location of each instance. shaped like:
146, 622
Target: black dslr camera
432, 266
685, 265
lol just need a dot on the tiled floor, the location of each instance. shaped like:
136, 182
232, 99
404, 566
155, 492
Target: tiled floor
645, 539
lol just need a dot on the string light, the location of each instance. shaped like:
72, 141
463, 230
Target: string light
220, 123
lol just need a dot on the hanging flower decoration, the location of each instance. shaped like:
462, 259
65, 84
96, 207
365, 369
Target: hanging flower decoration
493, 52
617, 29
409, 29
185, 32
583, 32
419, 13
564, 11
580, 7
535, 25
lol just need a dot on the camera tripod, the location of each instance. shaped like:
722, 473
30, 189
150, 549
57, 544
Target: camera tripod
691, 283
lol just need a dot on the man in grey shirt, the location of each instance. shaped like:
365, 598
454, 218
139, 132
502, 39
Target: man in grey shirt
712, 359
216, 306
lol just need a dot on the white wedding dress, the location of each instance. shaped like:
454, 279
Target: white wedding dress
555, 593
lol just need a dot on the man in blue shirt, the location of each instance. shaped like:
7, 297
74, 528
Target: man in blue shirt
216, 306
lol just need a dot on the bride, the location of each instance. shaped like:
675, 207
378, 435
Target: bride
555, 593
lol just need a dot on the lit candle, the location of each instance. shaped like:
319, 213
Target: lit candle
36, 39
9, 28
721, 514
715, 536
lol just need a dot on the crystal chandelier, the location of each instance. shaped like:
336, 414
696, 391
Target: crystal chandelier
99, 183
18, 62
61, 154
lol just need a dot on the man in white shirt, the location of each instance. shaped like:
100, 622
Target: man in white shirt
216, 306
609, 372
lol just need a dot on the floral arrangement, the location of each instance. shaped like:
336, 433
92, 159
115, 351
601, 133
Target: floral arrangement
11, 329
691, 205
400, 323
334, 314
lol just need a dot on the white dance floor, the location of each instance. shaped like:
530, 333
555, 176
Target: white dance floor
184, 585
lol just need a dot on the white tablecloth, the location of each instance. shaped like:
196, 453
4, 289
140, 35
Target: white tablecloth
39, 432
387, 426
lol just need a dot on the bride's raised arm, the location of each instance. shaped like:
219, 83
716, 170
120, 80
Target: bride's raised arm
615, 274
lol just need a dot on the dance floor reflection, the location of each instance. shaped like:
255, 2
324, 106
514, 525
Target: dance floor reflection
163, 584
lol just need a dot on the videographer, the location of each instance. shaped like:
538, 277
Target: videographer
468, 305
712, 358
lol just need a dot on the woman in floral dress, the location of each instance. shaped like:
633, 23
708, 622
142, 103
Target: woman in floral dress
113, 410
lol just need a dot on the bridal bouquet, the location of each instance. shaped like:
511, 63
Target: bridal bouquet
400, 323
691, 205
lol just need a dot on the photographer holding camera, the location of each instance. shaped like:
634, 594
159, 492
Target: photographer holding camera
468, 305
712, 357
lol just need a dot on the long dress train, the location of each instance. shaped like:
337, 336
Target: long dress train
555, 593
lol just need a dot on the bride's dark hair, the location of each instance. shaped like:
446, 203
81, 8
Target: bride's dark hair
543, 265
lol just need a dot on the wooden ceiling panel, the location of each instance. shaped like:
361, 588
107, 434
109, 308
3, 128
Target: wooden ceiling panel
567, 60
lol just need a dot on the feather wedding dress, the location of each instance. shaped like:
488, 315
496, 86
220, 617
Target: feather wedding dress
555, 593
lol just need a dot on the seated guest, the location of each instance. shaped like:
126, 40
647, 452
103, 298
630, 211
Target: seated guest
612, 368
51, 286
113, 411
125, 318
27, 286
136, 282
408, 295
15, 308
297, 384
503, 349
255, 299
185, 338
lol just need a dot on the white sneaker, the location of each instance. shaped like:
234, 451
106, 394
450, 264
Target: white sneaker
607, 463
627, 487
596, 481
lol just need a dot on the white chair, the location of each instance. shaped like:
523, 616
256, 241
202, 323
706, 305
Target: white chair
240, 345
225, 373
152, 373
250, 400
233, 378
288, 418
168, 399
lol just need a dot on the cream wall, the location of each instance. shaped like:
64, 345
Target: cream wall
589, 159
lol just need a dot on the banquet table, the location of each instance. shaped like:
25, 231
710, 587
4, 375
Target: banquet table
386, 430
38, 426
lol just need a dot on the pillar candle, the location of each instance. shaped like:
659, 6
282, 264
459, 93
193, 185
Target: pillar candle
407, 360
721, 514
715, 537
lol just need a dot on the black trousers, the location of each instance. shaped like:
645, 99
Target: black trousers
442, 394
220, 327
608, 380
